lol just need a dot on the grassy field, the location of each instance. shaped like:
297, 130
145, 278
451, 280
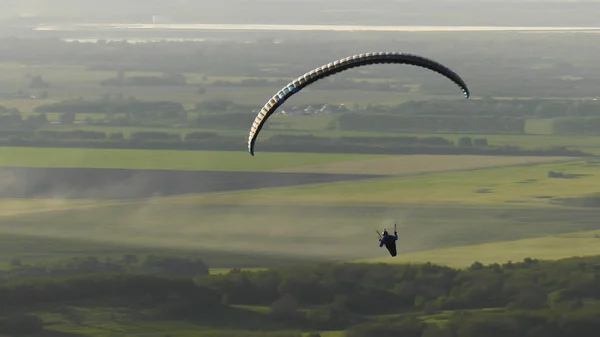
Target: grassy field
98, 320
101, 320
330, 220
490, 204
318, 126
68, 82
163, 159
28, 206
315, 232
48, 249
242, 161
420, 164
548, 247
522, 185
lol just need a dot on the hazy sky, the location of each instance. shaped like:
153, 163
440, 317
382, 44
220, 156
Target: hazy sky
398, 12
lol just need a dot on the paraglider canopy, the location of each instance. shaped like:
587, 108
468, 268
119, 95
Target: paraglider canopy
341, 65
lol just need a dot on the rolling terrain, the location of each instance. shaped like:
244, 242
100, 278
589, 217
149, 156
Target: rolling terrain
122, 214
439, 202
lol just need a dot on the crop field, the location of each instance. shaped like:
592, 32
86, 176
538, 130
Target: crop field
318, 126
48, 249
241, 161
551, 247
319, 220
162, 159
295, 231
68, 82
519, 185
87, 183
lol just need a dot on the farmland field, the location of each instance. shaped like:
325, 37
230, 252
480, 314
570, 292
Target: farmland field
318, 126
342, 233
69, 82
550, 247
122, 238
420, 164
273, 219
520, 185
162, 159
276, 207
87, 183
41, 249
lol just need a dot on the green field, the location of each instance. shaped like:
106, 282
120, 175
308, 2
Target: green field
451, 210
412, 165
548, 247
43, 248
303, 218
68, 82
480, 201
520, 185
452, 203
315, 232
319, 126
98, 320
163, 159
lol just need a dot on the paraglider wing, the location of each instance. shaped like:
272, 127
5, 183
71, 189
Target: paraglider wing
341, 65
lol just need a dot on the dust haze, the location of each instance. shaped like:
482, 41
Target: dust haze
157, 208
339, 233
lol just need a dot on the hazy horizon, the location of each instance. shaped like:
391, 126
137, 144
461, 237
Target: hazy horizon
354, 12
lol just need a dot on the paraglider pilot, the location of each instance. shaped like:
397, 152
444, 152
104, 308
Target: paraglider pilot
389, 241
387, 238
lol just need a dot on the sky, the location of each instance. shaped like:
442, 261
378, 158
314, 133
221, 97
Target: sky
387, 12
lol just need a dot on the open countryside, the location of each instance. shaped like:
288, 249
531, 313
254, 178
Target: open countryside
338, 28
130, 206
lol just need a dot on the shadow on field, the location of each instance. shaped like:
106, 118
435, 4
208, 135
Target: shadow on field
259, 233
90, 183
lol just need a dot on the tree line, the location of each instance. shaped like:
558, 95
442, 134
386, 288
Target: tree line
432, 124
473, 116
531, 298
486, 107
151, 264
277, 143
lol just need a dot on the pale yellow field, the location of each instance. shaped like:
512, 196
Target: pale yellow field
546, 248
417, 164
